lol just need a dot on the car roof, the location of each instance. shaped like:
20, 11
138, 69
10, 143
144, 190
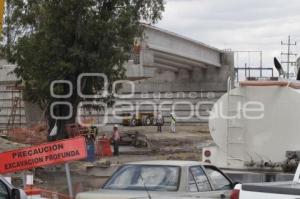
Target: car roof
167, 162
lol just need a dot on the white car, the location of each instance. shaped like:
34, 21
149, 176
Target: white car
274, 190
8, 191
164, 179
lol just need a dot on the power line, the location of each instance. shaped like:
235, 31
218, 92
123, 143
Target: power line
288, 54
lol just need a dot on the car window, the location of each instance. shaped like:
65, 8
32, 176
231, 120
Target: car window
192, 183
219, 181
3, 191
198, 180
139, 177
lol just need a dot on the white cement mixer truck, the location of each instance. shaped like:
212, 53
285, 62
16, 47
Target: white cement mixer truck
256, 127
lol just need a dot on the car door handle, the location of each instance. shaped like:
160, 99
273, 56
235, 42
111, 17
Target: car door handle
222, 196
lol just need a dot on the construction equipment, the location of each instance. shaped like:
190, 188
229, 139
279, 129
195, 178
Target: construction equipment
139, 119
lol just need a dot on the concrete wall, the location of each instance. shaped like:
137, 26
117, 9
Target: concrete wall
34, 114
7, 93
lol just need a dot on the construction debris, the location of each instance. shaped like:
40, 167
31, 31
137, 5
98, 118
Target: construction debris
36, 134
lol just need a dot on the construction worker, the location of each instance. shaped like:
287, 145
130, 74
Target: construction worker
173, 123
90, 138
159, 121
116, 139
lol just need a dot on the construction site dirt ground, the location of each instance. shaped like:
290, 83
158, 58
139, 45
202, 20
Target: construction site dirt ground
185, 144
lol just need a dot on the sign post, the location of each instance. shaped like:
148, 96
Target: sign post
67, 168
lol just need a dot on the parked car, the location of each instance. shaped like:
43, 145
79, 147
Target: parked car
274, 190
8, 191
164, 179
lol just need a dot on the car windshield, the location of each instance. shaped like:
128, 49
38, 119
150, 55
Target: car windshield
145, 177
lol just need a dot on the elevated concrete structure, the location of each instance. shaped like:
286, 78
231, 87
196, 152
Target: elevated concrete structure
170, 62
167, 64
173, 74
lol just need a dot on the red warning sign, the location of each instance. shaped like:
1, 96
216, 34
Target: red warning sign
43, 154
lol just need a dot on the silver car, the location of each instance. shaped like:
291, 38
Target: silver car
164, 179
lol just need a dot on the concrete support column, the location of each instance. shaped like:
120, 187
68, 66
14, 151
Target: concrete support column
163, 76
196, 74
183, 75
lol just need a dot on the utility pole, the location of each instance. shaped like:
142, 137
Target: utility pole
288, 55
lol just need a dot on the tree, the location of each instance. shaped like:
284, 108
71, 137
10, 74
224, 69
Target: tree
61, 39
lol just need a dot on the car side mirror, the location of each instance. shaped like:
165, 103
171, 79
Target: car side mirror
235, 183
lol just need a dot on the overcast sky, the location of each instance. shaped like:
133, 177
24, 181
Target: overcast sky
237, 25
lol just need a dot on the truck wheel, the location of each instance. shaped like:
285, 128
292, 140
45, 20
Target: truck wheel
148, 121
133, 122
144, 122
153, 121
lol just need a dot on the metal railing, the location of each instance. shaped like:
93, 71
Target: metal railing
248, 73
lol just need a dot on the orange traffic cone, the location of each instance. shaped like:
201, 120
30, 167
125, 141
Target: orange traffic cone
104, 147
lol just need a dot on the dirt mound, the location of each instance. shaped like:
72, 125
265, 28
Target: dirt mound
36, 134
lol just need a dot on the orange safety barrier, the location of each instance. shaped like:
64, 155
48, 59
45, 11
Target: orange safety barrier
103, 147
33, 191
